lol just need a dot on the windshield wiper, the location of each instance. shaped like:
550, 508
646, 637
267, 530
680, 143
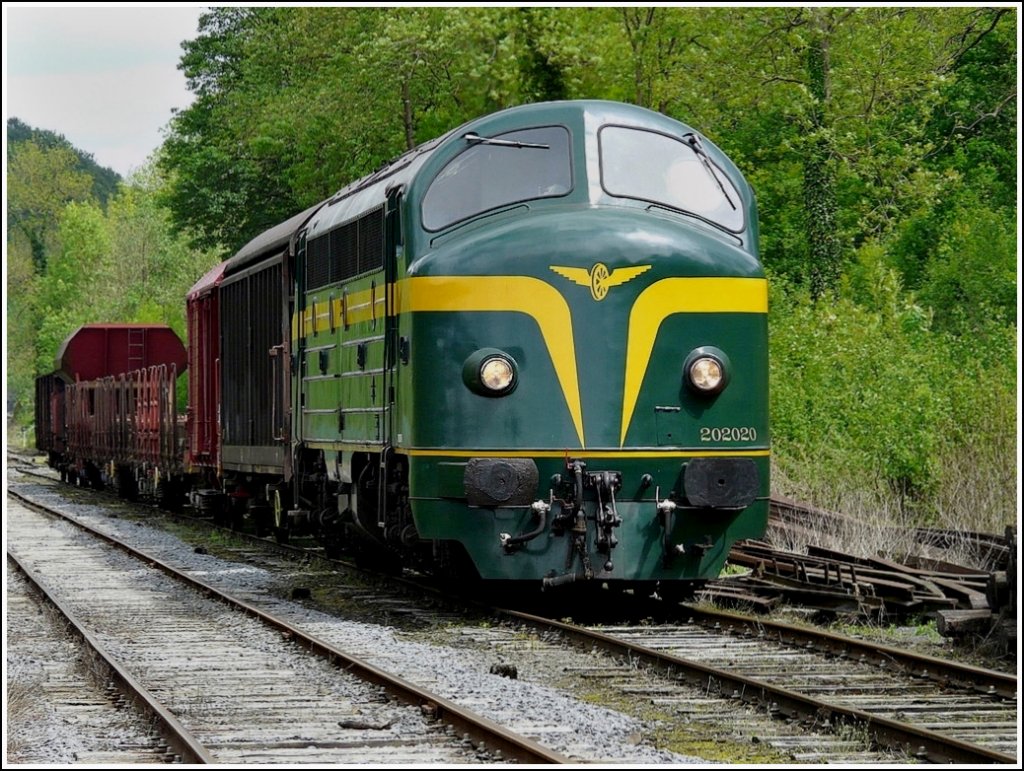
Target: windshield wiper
504, 142
694, 142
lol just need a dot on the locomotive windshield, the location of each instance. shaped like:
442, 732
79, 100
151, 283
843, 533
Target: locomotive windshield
668, 171
497, 171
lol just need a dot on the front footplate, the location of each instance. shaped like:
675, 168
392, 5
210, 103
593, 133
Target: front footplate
581, 497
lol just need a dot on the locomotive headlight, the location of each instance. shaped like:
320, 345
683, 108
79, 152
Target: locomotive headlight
706, 370
490, 372
497, 374
706, 373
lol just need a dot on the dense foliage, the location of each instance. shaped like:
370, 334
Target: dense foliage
104, 180
72, 261
881, 142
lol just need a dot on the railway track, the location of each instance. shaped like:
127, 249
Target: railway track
917, 706
837, 697
62, 707
231, 689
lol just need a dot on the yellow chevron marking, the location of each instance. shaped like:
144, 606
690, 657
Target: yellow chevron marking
679, 295
518, 294
546, 306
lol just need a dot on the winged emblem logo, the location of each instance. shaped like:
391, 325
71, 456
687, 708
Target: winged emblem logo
599, 278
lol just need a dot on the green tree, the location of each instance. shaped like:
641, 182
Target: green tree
664, 44
104, 180
122, 264
819, 163
292, 103
67, 296
853, 90
149, 268
221, 193
20, 329
40, 182
959, 250
543, 75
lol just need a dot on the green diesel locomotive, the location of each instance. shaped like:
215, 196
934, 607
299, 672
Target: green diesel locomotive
536, 346
532, 350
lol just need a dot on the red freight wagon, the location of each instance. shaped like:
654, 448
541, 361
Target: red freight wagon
127, 419
203, 302
99, 350
119, 412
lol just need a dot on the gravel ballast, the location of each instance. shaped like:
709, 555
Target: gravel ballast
463, 674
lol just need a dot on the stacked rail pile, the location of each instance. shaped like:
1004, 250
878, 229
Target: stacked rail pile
964, 600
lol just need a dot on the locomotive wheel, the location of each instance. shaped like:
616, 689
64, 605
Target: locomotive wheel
281, 534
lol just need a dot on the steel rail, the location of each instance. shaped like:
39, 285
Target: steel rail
178, 738
946, 673
480, 729
918, 742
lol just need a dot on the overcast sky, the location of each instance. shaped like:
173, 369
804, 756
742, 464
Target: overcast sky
104, 77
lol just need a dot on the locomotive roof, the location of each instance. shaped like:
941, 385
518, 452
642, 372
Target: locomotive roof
269, 241
369, 192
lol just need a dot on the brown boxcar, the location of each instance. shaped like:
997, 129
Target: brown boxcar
255, 338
